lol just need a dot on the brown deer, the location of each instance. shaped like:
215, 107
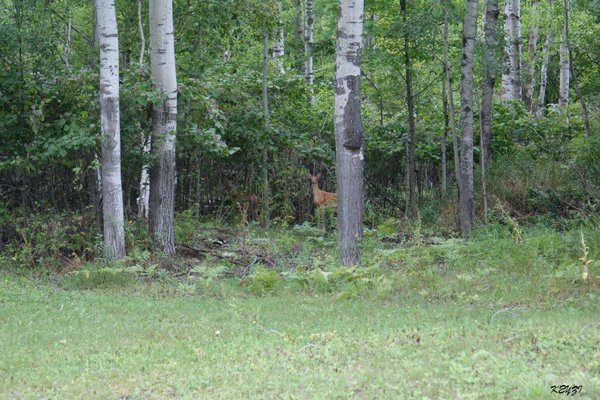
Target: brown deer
321, 198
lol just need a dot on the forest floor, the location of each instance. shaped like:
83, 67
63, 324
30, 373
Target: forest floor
503, 315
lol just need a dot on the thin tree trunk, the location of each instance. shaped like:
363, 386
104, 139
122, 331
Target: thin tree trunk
349, 130
448, 83
144, 187
298, 32
142, 37
541, 102
466, 114
563, 91
112, 192
279, 41
584, 111
517, 44
489, 81
265, 217
444, 173
529, 97
164, 126
308, 44
413, 210
67, 50
487, 94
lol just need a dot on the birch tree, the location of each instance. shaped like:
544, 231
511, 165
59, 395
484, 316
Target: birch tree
112, 193
541, 102
532, 39
308, 42
564, 81
511, 75
466, 117
349, 129
144, 186
279, 41
164, 126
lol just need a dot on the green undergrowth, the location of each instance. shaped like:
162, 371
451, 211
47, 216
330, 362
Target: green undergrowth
256, 314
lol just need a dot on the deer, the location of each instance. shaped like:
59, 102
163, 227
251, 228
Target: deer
321, 198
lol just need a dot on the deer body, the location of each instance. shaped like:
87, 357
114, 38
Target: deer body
321, 198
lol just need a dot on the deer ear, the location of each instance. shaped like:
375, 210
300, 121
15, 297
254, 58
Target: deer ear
308, 175
319, 175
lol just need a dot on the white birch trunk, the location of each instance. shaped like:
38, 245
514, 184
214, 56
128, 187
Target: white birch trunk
164, 126
541, 102
144, 188
349, 129
308, 43
563, 92
279, 43
532, 50
511, 74
112, 193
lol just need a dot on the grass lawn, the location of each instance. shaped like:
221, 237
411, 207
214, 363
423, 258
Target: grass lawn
467, 334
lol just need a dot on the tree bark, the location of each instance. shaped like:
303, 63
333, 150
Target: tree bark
164, 126
349, 129
489, 80
511, 76
112, 192
298, 33
308, 43
584, 111
413, 210
443, 150
563, 91
541, 102
265, 217
528, 97
466, 114
279, 42
142, 37
144, 186
487, 98
452, 112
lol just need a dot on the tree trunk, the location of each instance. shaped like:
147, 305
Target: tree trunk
142, 37
489, 80
584, 111
265, 217
308, 43
452, 112
563, 92
349, 130
164, 126
144, 187
532, 49
466, 116
298, 32
487, 94
443, 150
112, 192
279, 43
511, 76
413, 210
541, 102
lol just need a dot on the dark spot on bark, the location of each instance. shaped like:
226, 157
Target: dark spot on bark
353, 129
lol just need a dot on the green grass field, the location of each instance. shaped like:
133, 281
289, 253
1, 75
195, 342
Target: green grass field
482, 319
